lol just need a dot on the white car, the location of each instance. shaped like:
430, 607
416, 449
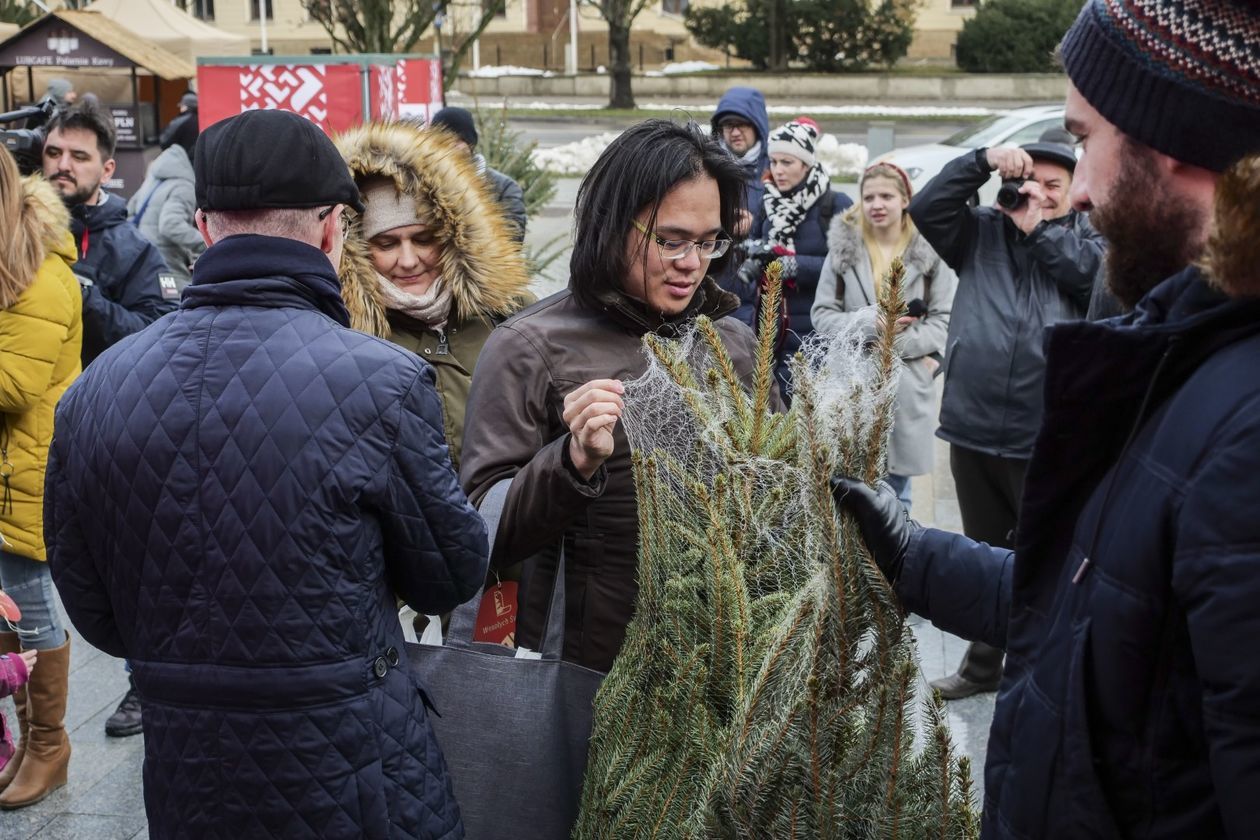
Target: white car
1013, 128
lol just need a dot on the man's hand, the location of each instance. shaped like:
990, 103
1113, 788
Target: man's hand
591, 413
1029, 214
886, 527
1010, 162
742, 225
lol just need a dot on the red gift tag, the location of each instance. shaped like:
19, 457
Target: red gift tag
496, 619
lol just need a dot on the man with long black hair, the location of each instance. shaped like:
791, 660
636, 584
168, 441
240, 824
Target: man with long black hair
653, 217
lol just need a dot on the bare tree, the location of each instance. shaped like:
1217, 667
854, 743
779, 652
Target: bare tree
20, 12
620, 15
396, 26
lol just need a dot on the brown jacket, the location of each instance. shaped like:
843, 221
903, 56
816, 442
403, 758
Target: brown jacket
514, 430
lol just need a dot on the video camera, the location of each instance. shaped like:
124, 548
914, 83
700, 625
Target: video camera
26, 144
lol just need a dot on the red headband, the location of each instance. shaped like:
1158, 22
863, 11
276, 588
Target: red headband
901, 173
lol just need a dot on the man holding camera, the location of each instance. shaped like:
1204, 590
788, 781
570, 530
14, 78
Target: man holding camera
1022, 265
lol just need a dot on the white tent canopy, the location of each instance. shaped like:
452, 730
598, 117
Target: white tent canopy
178, 32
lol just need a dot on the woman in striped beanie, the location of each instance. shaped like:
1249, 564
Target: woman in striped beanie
799, 205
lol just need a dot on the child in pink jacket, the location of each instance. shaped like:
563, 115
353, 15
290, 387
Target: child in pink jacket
15, 670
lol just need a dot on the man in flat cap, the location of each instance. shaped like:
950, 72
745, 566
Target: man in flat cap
236, 494
1130, 705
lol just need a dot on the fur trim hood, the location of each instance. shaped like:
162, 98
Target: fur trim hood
41, 199
1232, 256
43, 219
484, 268
844, 244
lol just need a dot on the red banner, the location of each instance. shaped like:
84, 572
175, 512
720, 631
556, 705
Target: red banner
329, 95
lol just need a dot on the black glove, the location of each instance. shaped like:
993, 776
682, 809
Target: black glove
886, 527
758, 255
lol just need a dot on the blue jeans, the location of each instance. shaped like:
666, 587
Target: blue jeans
901, 485
29, 584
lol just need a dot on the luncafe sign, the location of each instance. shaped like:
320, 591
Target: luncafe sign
62, 47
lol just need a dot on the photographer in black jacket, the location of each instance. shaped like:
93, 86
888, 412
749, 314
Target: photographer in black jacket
1020, 268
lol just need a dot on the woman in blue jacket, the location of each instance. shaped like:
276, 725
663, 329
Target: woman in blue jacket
798, 206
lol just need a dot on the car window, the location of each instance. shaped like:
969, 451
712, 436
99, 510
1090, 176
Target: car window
984, 132
1032, 132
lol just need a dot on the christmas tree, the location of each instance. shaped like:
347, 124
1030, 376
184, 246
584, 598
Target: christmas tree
766, 687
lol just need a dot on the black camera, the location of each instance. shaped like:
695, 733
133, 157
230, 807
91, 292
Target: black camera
1009, 195
26, 144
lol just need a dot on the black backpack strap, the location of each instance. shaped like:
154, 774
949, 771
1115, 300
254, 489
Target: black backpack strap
826, 212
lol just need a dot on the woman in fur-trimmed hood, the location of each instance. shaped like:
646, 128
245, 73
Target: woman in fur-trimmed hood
861, 245
430, 264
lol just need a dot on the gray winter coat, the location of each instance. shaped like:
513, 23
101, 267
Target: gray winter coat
1011, 286
846, 298
508, 194
168, 201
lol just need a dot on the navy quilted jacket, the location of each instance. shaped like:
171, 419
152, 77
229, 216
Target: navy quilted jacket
1130, 706
234, 496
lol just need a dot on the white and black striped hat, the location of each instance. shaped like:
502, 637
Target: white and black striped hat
799, 138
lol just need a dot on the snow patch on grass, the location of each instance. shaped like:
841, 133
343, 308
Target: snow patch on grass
490, 71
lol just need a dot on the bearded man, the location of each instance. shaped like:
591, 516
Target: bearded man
125, 282
1129, 703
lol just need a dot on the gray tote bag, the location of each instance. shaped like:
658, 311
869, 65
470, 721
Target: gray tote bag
514, 731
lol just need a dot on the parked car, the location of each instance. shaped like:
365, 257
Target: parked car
1012, 128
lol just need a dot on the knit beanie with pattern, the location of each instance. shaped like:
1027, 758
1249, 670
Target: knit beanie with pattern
1180, 76
798, 138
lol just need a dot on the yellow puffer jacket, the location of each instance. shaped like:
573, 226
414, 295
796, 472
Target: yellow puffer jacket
40, 338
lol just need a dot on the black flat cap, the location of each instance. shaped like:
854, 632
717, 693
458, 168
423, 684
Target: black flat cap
1055, 145
270, 160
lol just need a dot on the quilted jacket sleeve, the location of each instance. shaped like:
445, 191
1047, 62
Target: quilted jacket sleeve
960, 585
1216, 580
435, 541
79, 581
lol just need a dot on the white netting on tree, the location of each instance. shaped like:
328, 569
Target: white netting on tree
766, 684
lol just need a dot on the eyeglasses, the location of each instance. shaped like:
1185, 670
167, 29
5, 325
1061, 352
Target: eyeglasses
676, 249
343, 220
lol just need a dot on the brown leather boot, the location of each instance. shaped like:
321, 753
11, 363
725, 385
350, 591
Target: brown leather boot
47, 756
9, 644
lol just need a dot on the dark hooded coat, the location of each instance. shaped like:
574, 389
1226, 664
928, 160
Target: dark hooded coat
1128, 707
481, 261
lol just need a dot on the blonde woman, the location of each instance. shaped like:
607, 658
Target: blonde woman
861, 246
41, 333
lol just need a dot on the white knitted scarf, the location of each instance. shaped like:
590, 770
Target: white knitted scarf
432, 308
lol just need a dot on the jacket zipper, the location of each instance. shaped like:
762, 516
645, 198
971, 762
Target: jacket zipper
1086, 562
